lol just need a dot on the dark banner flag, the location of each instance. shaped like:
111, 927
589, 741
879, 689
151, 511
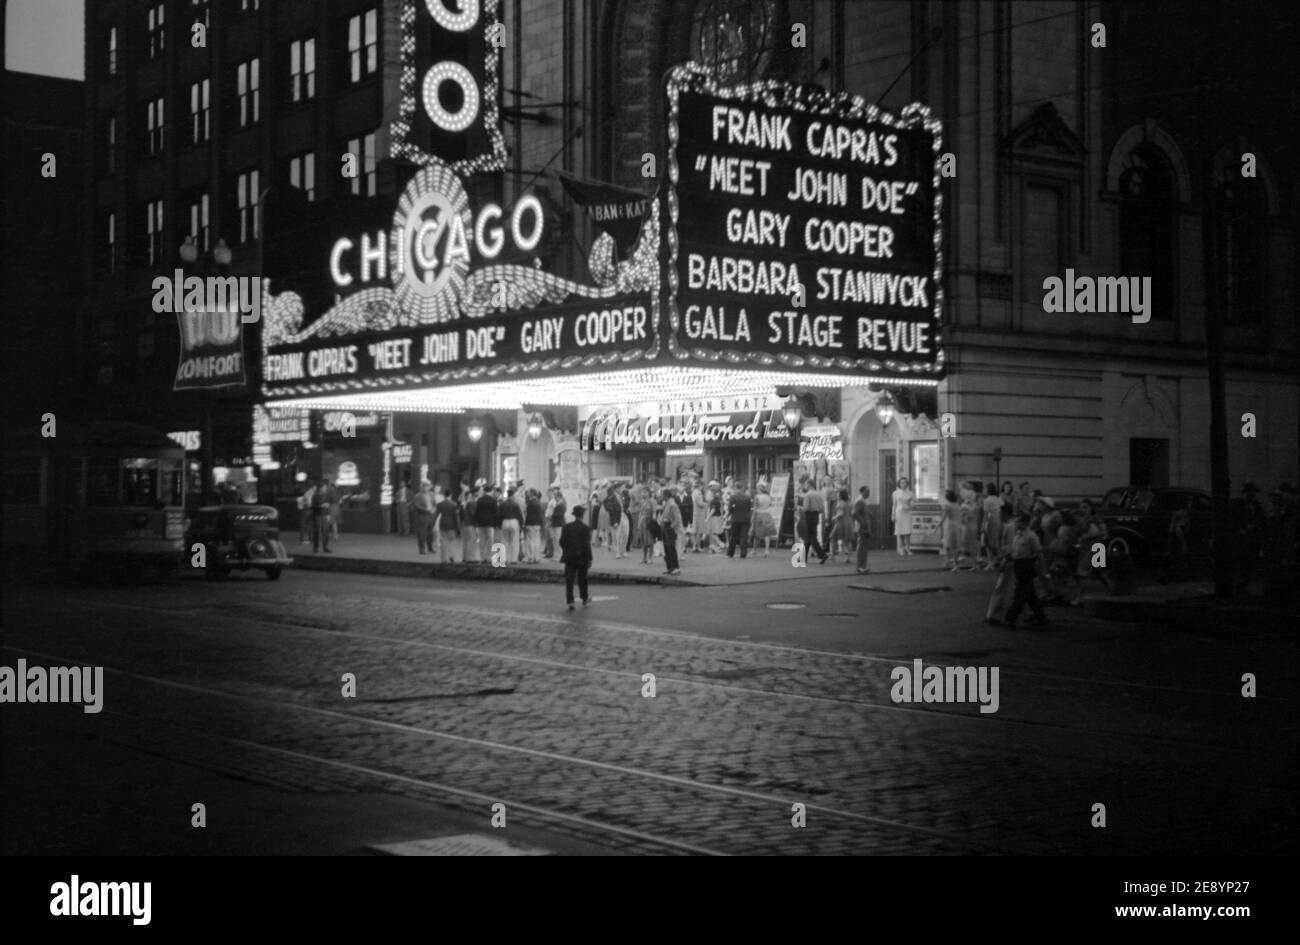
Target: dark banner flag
616, 210
212, 350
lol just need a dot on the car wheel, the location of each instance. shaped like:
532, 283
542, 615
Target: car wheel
273, 573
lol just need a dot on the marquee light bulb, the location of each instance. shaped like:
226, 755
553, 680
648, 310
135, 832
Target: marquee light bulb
453, 22
456, 73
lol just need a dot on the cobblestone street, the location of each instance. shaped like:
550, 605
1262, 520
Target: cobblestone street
468, 695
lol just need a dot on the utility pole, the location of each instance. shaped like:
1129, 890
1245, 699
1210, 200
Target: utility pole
1219, 482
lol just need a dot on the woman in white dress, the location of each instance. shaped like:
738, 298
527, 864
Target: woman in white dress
764, 524
901, 514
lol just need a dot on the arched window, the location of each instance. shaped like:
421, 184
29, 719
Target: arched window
1147, 225
734, 38
1239, 250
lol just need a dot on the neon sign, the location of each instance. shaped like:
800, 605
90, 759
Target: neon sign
428, 247
453, 105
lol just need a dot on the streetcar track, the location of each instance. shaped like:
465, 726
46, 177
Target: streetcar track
434, 787
418, 731
910, 708
618, 627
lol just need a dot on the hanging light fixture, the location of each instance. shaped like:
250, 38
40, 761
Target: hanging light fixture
886, 407
535, 426
792, 412
475, 430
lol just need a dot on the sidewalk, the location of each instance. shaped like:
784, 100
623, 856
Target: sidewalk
1188, 605
397, 556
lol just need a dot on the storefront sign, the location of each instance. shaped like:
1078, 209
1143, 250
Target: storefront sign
336, 420
403, 452
212, 350
806, 229
280, 424
610, 427
821, 441
449, 88
347, 475
189, 439
431, 303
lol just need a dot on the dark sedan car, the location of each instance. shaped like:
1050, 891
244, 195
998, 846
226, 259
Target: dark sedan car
238, 536
1140, 515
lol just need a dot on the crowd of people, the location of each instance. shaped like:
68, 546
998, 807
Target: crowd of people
1042, 551
1047, 555
663, 520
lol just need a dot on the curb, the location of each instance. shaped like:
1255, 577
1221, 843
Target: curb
473, 572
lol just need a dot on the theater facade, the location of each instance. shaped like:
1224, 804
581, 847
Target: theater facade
781, 282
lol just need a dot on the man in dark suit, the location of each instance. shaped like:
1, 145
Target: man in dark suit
575, 545
741, 507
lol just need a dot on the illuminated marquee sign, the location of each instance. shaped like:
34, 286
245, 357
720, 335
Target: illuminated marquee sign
451, 53
803, 229
432, 303
710, 420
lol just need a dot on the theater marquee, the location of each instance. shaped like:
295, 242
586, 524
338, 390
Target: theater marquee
451, 294
801, 230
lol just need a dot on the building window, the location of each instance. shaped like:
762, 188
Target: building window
363, 44
302, 174
157, 30
200, 101
154, 120
1239, 251
199, 221
302, 70
153, 230
110, 145
247, 81
109, 260
1146, 225
112, 50
246, 194
363, 150
735, 38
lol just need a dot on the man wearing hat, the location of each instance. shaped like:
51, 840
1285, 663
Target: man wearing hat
575, 547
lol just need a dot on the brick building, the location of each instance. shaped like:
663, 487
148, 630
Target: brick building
1069, 155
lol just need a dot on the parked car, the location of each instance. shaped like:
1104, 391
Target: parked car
238, 536
1140, 516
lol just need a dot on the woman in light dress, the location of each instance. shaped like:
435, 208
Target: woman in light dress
991, 528
901, 514
951, 530
764, 526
